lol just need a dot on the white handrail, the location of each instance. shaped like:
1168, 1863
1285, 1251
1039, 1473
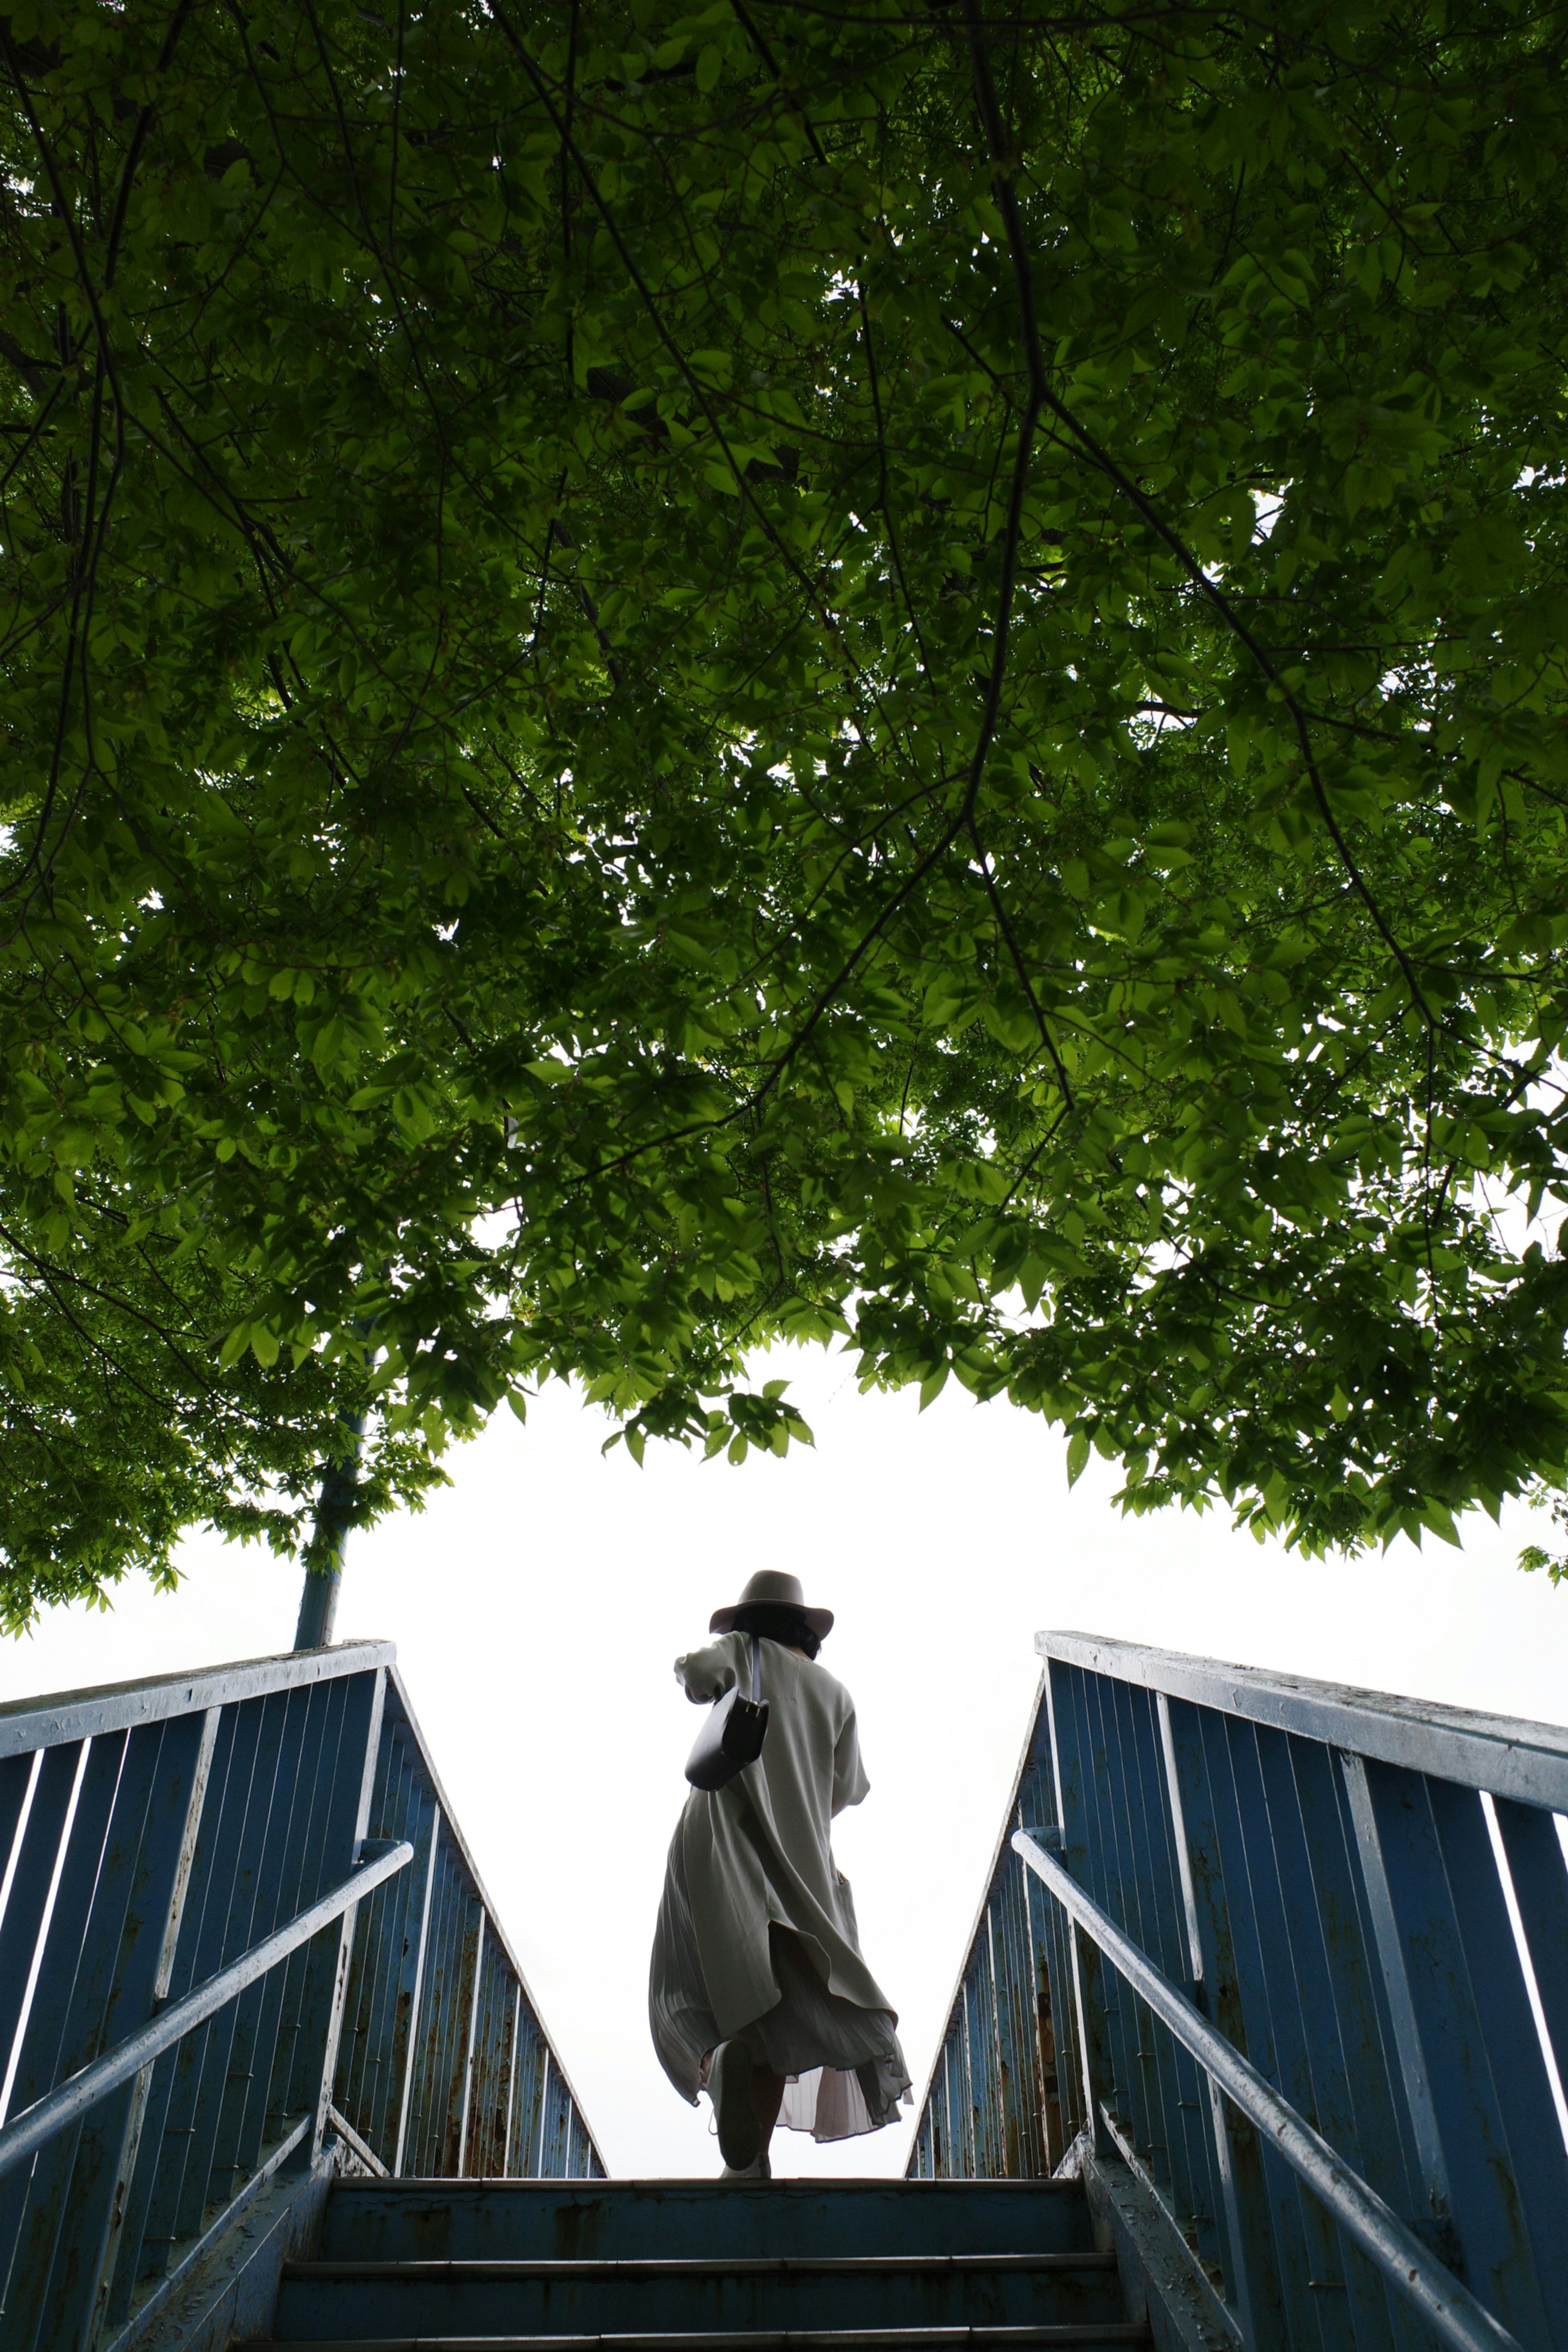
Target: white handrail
1450, 2309
40, 2122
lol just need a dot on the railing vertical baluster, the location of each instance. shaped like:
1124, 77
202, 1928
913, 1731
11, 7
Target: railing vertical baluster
1115, 1882
199, 1953
1507, 2175
1193, 2190
1098, 1767
434, 1999
545, 2155
1036, 2028
55, 2041
1252, 2269
15, 1780
988, 2090
1216, 2225
439, 2054
522, 2151
935, 2115
976, 2048
291, 1875
390, 1995
1015, 1975
1088, 2008
1305, 2241
560, 2116
135, 1904
1318, 2078
1057, 1940
1381, 2127
34, 1876
411, 1984
1004, 2156
1540, 1876
490, 2097
472, 1998
964, 2084
513, 2077
321, 1841
1008, 2089
144, 2126
1212, 2222
1144, 1895
237, 1888
1049, 1995
348, 1826
507, 2004
1433, 2199
358, 2094
1018, 2040
1012, 2058
436, 2017
959, 2157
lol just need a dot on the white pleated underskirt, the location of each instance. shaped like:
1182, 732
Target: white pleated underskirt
845, 2072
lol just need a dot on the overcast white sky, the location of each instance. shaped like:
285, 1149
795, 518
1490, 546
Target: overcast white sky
538, 1604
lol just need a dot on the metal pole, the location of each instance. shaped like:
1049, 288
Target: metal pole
324, 1554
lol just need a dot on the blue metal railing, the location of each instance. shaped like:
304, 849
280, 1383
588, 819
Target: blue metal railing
238, 1927
1265, 1943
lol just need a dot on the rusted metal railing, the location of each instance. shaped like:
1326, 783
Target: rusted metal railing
1296, 1958
240, 1938
1005, 2097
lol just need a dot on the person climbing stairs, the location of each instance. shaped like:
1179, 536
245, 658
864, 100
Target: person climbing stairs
698, 2266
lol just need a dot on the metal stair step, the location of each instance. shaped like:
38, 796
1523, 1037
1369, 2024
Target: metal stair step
1063, 2337
704, 2266
686, 2296
445, 2219
617, 2267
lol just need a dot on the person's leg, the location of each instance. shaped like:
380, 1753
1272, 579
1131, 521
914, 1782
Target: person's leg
767, 2098
730, 2075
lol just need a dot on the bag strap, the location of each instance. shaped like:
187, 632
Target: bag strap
756, 1670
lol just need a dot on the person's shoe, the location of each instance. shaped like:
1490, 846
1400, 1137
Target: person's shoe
729, 2084
759, 2169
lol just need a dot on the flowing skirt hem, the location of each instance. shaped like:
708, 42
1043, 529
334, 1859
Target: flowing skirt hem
843, 2070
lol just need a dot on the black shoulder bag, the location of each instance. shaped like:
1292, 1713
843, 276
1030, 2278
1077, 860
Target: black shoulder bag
732, 1735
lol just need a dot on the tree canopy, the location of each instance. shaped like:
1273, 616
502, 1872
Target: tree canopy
673, 679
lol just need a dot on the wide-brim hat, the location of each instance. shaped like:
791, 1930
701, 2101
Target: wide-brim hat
770, 1585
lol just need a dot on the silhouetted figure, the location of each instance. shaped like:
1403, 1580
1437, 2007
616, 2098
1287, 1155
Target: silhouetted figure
757, 1991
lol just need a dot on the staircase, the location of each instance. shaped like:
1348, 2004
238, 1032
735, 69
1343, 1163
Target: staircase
692, 2266
1273, 1974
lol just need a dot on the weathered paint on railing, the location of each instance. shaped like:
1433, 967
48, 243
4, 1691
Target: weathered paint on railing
153, 1836
1001, 2105
1316, 1872
87, 2088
